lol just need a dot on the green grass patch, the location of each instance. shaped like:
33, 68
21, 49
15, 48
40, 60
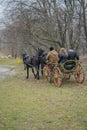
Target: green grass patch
38, 105
8, 62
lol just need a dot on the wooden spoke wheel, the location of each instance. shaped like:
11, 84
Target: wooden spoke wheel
57, 77
47, 73
79, 74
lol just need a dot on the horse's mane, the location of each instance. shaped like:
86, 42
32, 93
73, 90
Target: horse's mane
40, 51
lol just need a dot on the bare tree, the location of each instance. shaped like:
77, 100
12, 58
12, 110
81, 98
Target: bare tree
44, 23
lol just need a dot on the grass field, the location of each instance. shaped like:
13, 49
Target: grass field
38, 105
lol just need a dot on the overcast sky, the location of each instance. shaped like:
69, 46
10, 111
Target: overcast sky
1, 10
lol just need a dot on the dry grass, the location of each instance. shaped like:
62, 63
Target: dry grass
38, 105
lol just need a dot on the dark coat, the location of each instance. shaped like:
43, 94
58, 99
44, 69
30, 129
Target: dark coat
72, 55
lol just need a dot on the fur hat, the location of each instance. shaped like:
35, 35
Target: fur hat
63, 50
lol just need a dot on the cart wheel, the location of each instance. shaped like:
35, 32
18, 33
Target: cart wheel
47, 74
79, 75
57, 77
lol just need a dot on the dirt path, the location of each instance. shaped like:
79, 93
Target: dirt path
6, 71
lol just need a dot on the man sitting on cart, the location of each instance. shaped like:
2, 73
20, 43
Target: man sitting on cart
63, 55
72, 55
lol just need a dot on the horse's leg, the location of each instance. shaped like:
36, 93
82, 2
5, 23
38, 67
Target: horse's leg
33, 72
25, 66
27, 71
38, 77
37, 70
42, 66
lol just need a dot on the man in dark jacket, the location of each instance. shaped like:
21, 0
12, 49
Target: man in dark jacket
72, 55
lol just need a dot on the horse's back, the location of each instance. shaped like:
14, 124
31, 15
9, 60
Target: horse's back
35, 60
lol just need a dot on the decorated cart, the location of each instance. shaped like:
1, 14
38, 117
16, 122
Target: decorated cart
56, 73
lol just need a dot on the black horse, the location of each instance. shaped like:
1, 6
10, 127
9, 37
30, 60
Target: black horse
34, 62
27, 61
42, 58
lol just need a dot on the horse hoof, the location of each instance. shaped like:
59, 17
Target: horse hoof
38, 77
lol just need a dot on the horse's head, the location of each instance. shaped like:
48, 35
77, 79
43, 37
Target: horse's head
40, 52
25, 58
23, 55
